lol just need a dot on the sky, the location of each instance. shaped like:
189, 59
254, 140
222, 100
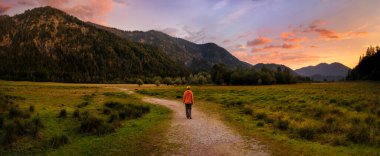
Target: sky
295, 33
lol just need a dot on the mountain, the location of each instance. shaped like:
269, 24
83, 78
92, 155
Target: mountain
368, 67
323, 71
273, 67
46, 44
197, 57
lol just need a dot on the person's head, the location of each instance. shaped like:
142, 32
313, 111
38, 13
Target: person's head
187, 87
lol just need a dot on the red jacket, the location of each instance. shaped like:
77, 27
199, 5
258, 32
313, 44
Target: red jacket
188, 97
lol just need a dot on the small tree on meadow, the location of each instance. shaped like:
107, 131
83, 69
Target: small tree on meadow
157, 83
140, 82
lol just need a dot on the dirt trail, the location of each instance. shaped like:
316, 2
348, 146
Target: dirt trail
204, 135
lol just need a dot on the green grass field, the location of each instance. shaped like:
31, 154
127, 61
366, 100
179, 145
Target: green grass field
78, 119
302, 119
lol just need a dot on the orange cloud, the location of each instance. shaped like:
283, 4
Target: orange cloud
324, 33
4, 7
286, 35
289, 37
259, 41
269, 48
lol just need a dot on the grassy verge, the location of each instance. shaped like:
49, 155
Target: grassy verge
302, 119
78, 119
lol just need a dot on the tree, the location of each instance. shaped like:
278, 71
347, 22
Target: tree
167, 81
140, 82
157, 83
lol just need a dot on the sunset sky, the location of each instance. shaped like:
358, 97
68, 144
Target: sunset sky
295, 33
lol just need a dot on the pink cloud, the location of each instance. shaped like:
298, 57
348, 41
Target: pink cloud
289, 58
4, 7
324, 33
259, 41
87, 10
170, 31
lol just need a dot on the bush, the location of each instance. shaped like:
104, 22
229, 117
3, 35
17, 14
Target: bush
107, 111
247, 111
140, 82
9, 135
157, 83
307, 133
76, 114
113, 105
282, 124
35, 125
62, 113
14, 112
260, 124
114, 117
261, 116
333, 101
359, 134
58, 140
83, 104
31, 108
96, 126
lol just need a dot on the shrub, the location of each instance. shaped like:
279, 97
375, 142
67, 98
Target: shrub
83, 104
261, 116
62, 113
9, 135
358, 108
31, 108
157, 83
178, 96
14, 112
333, 100
122, 115
247, 111
370, 120
140, 82
260, 124
282, 124
76, 114
114, 117
58, 140
307, 133
35, 125
85, 115
107, 111
96, 126
113, 105
358, 134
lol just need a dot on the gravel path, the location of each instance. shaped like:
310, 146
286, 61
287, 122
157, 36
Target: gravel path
203, 135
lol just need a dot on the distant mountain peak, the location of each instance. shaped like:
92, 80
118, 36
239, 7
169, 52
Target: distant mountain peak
335, 71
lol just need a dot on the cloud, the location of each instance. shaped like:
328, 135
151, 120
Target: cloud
289, 37
328, 34
219, 5
286, 58
4, 7
197, 36
259, 41
87, 10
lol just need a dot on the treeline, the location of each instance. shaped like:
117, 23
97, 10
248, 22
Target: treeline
249, 76
368, 67
194, 79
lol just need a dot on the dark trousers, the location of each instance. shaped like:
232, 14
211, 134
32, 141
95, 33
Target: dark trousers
188, 110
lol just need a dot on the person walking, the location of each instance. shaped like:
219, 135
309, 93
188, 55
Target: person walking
188, 100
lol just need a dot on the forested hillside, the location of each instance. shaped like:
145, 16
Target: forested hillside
46, 44
368, 67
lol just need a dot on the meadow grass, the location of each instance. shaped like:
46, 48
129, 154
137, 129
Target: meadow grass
302, 119
69, 119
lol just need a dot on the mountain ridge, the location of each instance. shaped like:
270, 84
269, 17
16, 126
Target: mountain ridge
323, 71
197, 57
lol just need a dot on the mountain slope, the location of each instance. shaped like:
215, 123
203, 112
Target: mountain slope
323, 71
198, 57
46, 44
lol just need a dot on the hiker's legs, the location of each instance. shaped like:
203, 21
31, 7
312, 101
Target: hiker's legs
187, 110
190, 111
